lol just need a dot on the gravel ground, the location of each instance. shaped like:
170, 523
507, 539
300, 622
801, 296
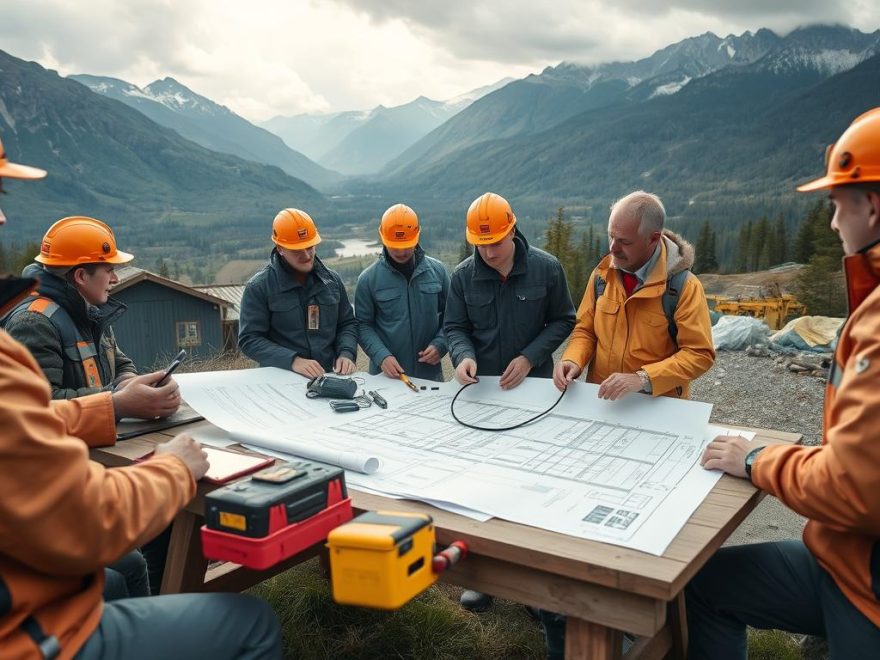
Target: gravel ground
753, 391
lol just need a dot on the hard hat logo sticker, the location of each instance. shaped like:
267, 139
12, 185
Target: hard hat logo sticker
302, 233
45, 248
484, 229
399, 235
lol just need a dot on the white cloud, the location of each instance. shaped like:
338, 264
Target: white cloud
267, 57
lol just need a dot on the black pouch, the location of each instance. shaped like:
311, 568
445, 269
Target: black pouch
331, 387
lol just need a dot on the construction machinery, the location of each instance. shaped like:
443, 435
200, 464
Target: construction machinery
766, 303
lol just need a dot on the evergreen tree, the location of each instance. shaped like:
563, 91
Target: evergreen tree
712, 261
465, 251
803, 242
759, 255
820, 286
742, 248
704, 250
4, 268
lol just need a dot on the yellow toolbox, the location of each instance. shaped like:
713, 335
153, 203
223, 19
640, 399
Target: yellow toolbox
382, 559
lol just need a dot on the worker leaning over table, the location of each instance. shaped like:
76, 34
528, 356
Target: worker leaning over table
295, 313
64, 517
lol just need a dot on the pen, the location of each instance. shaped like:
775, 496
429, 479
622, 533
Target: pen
408, 383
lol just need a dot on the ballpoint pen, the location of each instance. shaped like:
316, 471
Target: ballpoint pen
408, 382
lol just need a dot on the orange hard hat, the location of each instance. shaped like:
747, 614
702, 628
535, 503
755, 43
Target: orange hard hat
80, 240
295, 230
399, 228
855, 157
16, 171
489, 219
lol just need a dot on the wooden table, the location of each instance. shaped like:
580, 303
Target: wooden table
604, 589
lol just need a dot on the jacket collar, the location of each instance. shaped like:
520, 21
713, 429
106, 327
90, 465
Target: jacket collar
676, 255
418, 255
862, 274
287, 280
483, 271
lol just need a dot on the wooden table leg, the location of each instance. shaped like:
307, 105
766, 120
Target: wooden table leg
676, 617
591, 641
185, 564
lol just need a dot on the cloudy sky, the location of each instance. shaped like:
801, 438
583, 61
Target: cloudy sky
268, 57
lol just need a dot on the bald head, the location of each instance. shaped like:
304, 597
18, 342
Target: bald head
634, 229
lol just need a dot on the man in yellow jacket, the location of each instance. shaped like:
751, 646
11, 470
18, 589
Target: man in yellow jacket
63, 518
643, 324
828, 584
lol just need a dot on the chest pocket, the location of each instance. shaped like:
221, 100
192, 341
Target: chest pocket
327, 301
429, 292
531, 304
481, 309
287, 314
387, 296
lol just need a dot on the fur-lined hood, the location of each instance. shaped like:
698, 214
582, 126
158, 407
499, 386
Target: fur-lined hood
679, 253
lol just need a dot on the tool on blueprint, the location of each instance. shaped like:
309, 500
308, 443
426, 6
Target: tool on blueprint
275, 514
378, 399
331, 387
384, 559
344, 406
408, 382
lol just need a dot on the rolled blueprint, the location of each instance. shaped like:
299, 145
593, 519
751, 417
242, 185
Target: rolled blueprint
347, 460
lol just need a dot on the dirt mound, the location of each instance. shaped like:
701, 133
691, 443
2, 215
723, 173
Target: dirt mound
751, 285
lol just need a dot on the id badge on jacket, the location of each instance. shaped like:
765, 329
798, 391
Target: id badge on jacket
314, 317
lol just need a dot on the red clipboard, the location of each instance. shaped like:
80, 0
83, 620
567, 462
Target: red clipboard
227, 465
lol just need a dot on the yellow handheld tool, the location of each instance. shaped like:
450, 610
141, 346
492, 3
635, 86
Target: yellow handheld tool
383, 559
408, 383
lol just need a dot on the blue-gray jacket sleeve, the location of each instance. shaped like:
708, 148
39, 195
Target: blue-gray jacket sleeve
439, 339
346, 326
456, 324
560, 319
253, 329
365, 312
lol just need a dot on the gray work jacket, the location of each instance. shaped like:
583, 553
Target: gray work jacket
401, 318
493, 322
273, 324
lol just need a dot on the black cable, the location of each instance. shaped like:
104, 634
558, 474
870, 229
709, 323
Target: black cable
503, 428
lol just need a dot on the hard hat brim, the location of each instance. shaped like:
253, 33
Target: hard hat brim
486, 239
119, 258
400, 245
821, 183
304, 245
16, 171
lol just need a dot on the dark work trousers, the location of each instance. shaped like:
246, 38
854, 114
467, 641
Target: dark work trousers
156, 552
771, 585
127, 578
192, 626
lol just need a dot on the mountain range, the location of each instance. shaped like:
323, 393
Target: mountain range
173, 105
722, 144
108, 160
721, 128
356, 143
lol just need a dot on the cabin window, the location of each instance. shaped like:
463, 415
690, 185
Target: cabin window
188, 334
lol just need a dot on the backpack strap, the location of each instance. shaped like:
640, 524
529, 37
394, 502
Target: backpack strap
76, 349
674, 287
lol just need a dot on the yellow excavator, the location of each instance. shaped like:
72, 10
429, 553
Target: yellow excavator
768, 304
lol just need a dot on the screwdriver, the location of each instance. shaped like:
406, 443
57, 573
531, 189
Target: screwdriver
408, 382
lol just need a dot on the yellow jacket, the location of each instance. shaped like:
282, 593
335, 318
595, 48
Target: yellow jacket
617, 334
63, 517
835, 485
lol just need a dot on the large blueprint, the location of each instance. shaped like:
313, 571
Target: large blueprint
624, 472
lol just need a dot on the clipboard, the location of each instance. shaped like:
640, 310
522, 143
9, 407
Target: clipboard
226, 466
131, 428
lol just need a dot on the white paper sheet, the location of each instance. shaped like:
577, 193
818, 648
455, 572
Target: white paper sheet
625, 472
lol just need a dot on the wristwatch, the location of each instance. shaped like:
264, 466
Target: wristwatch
646, 382
750, 460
